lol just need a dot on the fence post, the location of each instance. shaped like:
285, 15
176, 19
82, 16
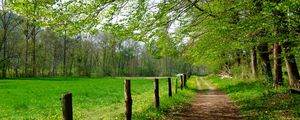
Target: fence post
170, 87
128, 99
184, 79
66, 102
156, 94
181, 82
176, 86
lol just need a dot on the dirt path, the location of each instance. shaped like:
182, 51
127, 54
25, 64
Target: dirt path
209, 105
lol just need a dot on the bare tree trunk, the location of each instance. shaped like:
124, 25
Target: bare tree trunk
45, 59
53, 73
254, 62
265, 62
71, 64
16, 72
16, 67
34, 51
292, 69
238, 56
65, 54
278, 79
104, 68
27, 34
26, 57
291, 64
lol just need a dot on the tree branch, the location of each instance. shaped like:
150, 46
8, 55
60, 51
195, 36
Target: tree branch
200, 9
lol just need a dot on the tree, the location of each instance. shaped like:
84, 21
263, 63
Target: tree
278, 78
254, 62
9, 22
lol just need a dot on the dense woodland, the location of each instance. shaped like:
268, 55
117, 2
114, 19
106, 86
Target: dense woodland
30, 49
248, 38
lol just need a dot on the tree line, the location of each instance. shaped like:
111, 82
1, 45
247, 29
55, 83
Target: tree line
31, 49
248, 39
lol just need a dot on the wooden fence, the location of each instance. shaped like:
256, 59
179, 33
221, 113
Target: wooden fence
66, 99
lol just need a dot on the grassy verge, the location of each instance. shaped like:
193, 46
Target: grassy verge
93, 98
257, 101
175, 103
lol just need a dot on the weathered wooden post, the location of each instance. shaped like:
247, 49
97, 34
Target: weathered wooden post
128, 100
156, 94
170, 87
181, 82
176, 86
184, 79
66, 102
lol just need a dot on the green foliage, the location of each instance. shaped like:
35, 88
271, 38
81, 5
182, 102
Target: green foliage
217, 25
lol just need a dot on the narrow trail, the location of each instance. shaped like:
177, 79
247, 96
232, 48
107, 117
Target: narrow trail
209, 104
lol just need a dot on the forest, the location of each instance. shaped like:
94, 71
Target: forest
253, 42
35, 47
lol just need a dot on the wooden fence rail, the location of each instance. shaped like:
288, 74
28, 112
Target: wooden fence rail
66, 102
128, 100
66, 99
170, 87
156, 94
181, 82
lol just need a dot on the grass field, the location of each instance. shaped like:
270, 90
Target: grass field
260, 102
93, 98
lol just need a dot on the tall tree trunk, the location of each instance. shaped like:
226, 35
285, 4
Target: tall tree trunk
238, 56
26, 56
71, 63
104, 68
278, 79
34, 51
16, 67
16, 72
291, 64
53, 73
45, 58
265, 62
27, 35
65, 54
254, 62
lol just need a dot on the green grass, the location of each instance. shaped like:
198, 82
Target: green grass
204, 87
257, 101
93, 98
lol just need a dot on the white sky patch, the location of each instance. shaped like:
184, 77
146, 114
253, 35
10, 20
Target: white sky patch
185, 40
137, 45
121, 17
137, 31
129, 43
152, 5
174, 26
1, 4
